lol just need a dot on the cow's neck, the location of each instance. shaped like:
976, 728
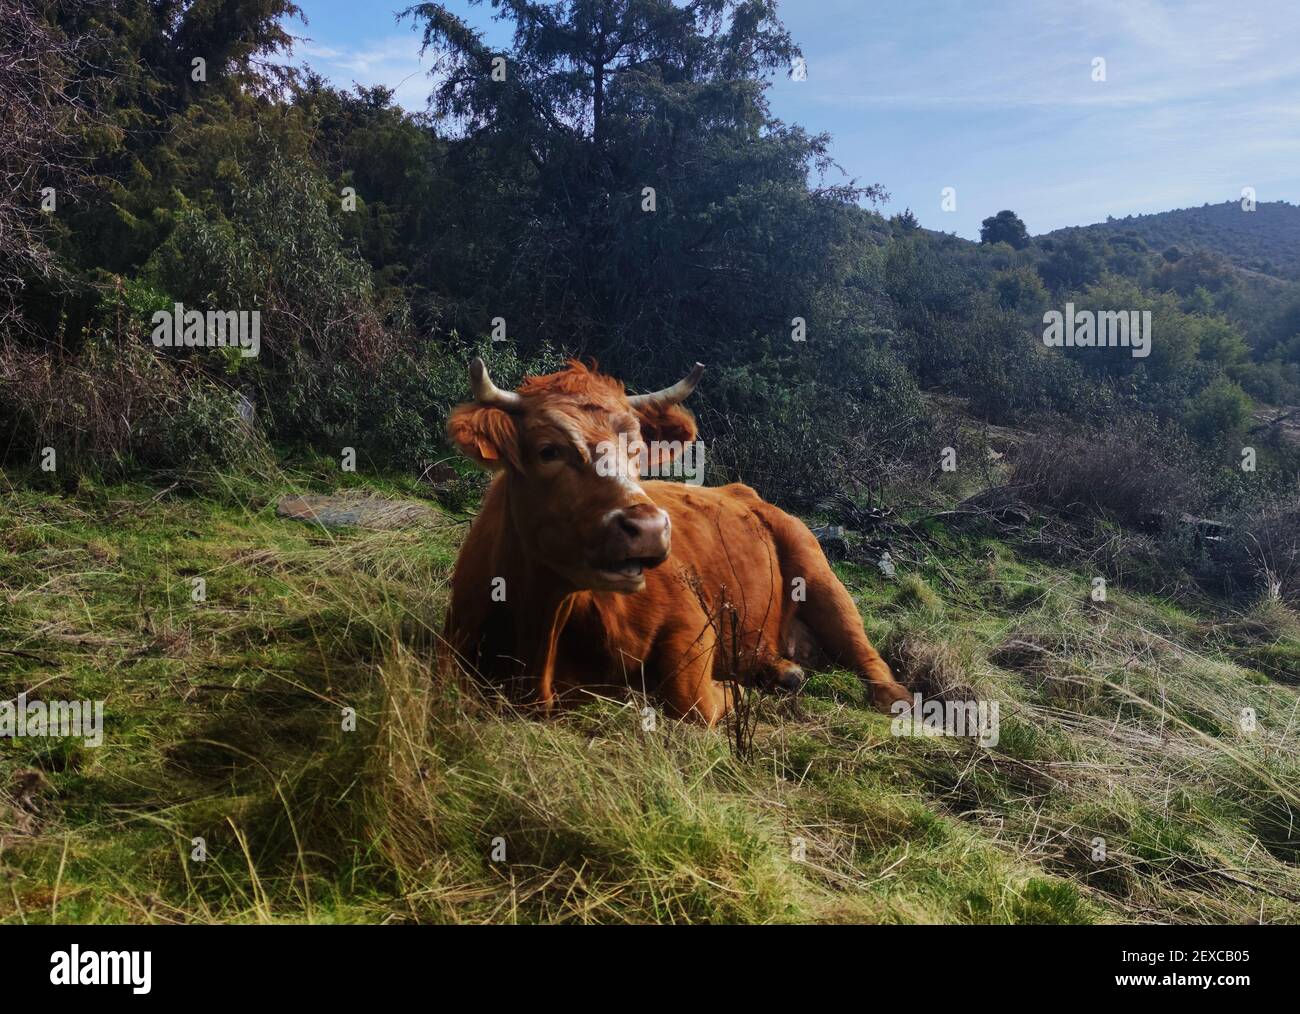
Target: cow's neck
551, 599
554, 605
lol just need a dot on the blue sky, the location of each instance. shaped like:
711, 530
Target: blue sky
994, 98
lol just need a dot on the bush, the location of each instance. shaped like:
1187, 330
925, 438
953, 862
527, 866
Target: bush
334, 362
115, 408
1021, 290
1016, 379
1132, 475
1218, 412
801, 430
1260, 555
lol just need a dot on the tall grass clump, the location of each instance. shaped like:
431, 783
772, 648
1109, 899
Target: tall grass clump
487, 816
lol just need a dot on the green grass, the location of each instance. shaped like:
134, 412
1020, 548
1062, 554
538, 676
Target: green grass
1120, 720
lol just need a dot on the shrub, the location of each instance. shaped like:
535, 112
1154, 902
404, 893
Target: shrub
1021, 290
1260, 554
1219, 411
113, 408
1017, 378
1130, 474
801, 431
335, 362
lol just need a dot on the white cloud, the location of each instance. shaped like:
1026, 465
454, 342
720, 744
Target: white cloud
393, 61
1028, 54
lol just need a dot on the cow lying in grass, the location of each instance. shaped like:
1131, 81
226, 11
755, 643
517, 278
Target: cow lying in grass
575, 575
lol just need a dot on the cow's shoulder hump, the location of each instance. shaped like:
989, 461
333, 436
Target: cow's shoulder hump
739, 491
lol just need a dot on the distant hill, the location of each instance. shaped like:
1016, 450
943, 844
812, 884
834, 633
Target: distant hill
1266, 240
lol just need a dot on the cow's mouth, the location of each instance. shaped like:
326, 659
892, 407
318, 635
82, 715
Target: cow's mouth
628, 574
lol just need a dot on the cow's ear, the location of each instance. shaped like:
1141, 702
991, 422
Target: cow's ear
666, 429
485, 435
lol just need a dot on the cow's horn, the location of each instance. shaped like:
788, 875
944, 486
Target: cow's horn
486, 392
670, 395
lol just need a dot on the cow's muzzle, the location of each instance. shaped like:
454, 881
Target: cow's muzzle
637, 539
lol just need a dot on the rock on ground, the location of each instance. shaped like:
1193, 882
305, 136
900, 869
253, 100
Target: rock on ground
341, 511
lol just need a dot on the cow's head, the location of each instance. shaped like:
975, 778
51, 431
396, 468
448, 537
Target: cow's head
571, 445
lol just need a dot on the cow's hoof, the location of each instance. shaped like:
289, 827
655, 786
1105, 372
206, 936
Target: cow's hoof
778, 676
788, 679
783, 677
887, 695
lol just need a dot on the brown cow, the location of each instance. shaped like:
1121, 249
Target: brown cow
566, 580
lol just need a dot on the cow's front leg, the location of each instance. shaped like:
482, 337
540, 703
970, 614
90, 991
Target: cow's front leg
686, 683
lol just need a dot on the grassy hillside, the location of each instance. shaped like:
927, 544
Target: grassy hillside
1266, 240
1119, 720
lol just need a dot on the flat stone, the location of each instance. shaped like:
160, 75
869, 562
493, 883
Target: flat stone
832, 540
339, 511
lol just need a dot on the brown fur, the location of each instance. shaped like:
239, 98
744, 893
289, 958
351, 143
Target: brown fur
729, 579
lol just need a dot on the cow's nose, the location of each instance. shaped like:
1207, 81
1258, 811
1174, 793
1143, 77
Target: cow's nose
644, 529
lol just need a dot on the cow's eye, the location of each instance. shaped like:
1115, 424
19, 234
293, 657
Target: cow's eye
548, 452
